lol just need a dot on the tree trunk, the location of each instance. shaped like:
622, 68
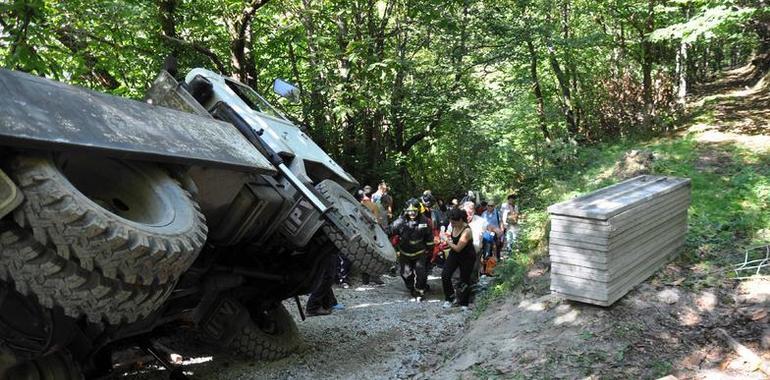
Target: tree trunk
537, 91
647, 58
681, 71
570, 69
241, 57
566, 97
646, 75
619, 52
398, 94
294, 61
166, 10
317, 103
719, 56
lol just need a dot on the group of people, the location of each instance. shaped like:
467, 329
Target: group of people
380, 203
458, 237
462, 238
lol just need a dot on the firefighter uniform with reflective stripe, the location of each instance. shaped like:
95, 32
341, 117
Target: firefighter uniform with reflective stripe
415, 241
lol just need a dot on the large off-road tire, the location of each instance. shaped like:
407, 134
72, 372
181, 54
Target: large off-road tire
127, 221
271, 335
37, 271
370, 250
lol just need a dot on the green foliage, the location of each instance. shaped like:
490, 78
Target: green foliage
708, 23
730, 203
500, 96
730, 206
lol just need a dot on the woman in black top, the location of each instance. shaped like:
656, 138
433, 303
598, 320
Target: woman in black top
462, 255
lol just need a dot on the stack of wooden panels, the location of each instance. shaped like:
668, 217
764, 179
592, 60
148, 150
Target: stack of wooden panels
604, 243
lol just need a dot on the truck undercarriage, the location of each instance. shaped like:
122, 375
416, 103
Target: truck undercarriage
120, 219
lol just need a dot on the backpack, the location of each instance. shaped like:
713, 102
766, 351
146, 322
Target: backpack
488, 237
489, 265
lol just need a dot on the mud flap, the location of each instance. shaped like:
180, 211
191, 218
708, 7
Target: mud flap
10, 196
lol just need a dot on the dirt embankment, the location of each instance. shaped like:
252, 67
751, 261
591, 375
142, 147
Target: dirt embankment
658, 329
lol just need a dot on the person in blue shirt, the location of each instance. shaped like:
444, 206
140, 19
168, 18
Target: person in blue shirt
493, 233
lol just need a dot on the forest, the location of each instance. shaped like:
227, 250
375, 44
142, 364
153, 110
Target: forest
497, 96
546, 99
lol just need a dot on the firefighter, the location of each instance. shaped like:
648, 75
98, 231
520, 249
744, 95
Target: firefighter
415, 243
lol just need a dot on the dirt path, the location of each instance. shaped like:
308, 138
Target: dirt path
381, 334
740, 111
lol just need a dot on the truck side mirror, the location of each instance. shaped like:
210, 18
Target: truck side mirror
286, 90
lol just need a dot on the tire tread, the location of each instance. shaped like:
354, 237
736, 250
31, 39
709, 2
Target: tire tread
39, 271
255, 344
62, 217
363, 255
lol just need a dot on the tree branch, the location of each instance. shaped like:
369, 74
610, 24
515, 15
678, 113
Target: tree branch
419, 136
69, 30
77, 46
248, 14
200, 49
243, 64
22, 31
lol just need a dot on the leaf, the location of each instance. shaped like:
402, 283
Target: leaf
704, 24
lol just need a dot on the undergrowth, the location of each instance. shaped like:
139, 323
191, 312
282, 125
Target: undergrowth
729, 211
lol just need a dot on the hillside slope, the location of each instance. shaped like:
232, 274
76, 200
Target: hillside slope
670, 323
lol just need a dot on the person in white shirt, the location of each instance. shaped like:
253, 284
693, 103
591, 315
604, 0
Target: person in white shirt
510, 221
494, 233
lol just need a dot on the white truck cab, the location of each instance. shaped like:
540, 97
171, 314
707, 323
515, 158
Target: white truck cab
303, 156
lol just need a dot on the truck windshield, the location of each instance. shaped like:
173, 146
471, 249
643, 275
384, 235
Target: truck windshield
254, 100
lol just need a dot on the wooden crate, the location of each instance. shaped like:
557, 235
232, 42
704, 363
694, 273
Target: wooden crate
604, 243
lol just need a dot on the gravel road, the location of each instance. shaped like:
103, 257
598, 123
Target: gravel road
381, 334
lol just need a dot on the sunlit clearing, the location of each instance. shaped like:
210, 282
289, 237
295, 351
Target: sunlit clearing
755, 289
706, 301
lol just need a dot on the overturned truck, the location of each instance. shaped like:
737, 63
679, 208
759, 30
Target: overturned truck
201, 208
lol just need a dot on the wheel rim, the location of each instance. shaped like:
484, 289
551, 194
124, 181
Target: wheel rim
364, 219
118, 187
